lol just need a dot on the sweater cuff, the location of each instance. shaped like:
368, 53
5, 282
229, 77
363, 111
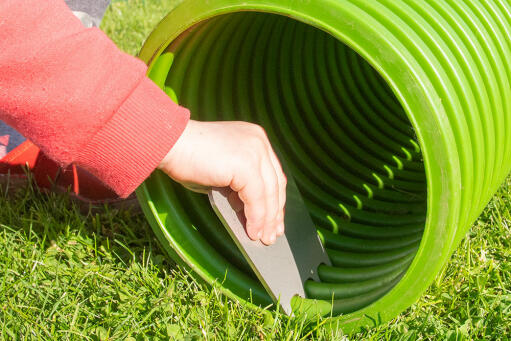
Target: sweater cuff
125, 151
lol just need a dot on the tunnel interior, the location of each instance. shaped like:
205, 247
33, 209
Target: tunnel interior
348, 142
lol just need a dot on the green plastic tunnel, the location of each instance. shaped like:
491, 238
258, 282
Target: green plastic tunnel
395, 117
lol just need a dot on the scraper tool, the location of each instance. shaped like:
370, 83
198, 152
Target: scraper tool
294, 258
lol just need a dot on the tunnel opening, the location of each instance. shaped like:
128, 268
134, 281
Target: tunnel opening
349, 144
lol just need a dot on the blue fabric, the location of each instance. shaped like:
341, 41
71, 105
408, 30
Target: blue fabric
15, 138
95, 8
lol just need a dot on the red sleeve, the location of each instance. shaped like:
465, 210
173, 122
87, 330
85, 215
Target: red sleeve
79, 98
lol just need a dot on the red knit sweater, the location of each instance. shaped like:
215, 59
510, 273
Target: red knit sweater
79, 98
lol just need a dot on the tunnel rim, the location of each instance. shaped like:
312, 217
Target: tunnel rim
434, 137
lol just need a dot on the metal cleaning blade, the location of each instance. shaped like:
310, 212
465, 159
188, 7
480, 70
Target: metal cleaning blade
294, 258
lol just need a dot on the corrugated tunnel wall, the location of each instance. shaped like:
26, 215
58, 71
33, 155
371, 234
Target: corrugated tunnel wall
393, 115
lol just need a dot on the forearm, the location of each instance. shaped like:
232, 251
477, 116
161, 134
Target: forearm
75, 94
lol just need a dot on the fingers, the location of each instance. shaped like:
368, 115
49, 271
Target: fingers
282, 184
271, 200
252, 194
261, 186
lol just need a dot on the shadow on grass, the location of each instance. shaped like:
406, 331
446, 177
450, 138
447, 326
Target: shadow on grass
48, 217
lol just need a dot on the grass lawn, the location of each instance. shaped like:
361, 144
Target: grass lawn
65, 275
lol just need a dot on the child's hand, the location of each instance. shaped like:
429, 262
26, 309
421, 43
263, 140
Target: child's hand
237, 155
